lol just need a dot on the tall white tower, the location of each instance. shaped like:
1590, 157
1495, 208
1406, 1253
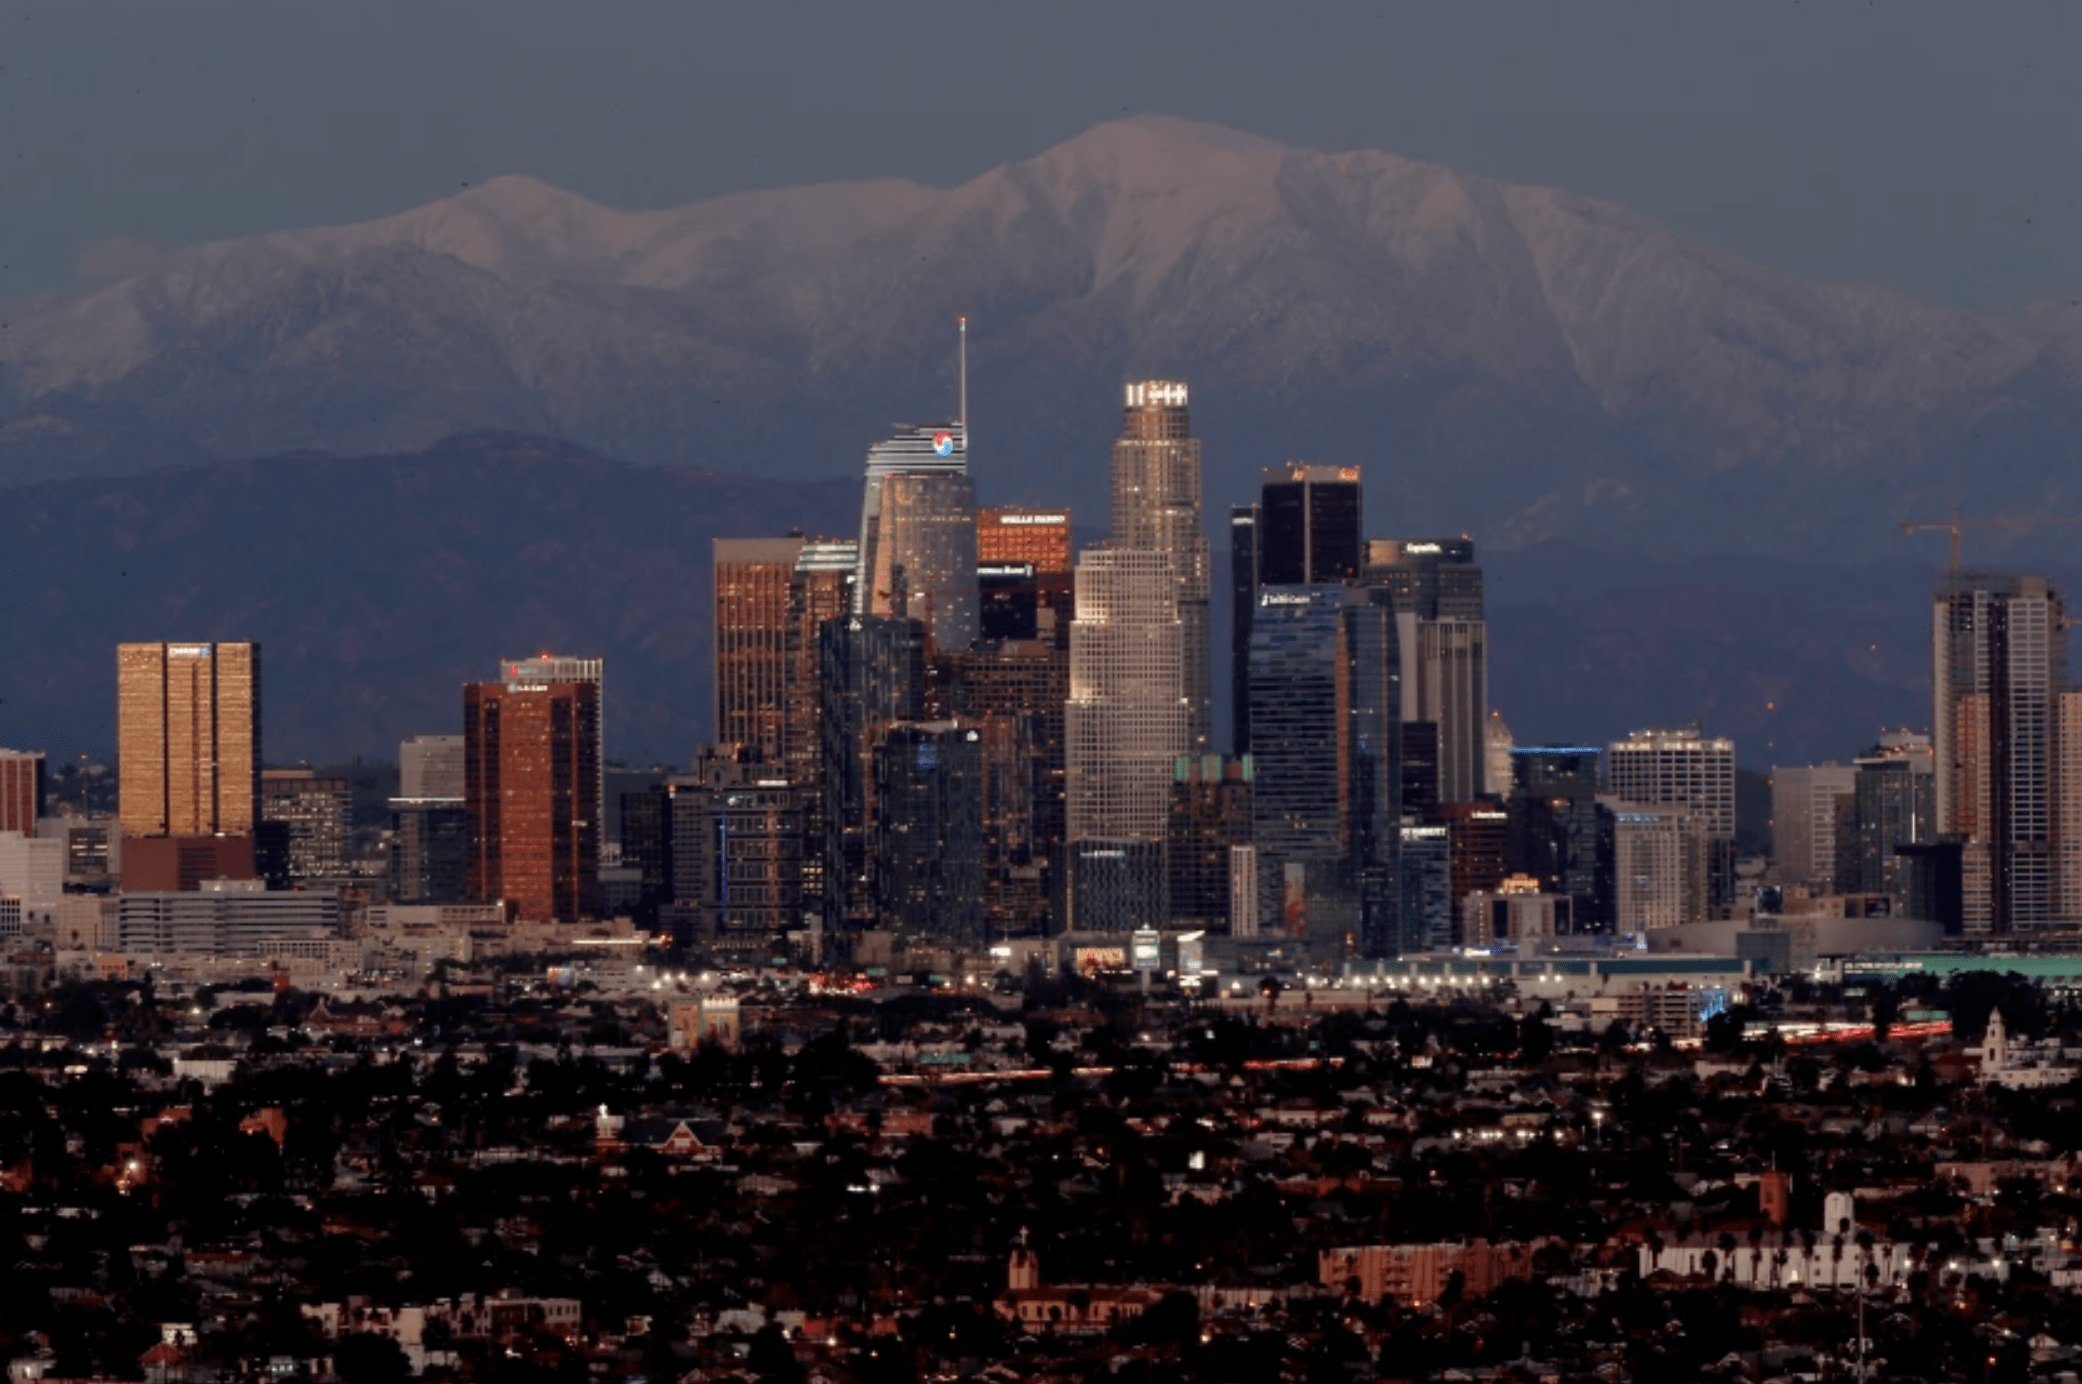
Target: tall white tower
1126, 720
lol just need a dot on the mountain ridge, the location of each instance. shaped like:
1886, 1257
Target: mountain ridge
1527, 363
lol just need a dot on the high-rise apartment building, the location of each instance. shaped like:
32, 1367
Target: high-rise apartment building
1326, 743
1126, 719
1814, 825
316, 817
21, 790
1683, 768
1435, 587
918, 534
1156, 508
1896, 793
431, 766
188, 737
1999, 655
531, 791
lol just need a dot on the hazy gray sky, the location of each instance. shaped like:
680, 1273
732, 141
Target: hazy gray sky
1924, 143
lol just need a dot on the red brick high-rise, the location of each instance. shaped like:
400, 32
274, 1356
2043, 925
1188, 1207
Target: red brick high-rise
532, 797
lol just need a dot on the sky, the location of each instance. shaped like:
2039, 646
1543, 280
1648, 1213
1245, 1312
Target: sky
1921, 143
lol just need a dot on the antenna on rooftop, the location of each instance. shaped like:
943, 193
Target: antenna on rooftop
962, 406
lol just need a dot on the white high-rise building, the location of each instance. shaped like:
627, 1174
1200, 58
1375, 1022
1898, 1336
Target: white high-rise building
1659, 861
1999, 663
1156, 506
1813, 822
431, 766
1691, 770
1126, 720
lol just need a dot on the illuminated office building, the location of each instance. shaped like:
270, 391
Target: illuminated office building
1303, 531
316, 819
929, 811
531, 792
1210, 817
874, 676
546, 668
1156, 508
1689, 769
188, 738
1126, 720
917, 553
1896, 794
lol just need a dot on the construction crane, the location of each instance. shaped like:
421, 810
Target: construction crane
1956, 526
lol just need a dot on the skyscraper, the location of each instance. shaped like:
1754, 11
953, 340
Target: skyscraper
1436, 589
21, 790
547, 668
1896, 790
1999, 655
1559, 833
1156, 508
188, 736
1308, 525
918, 533
735, 848
431, 766
1304, 530
316, 817
874, 676
1326, 746
754, 663
929, 785
1126, 719
1685, 768
1814, 824
1023, 567
531, 791
1243, 603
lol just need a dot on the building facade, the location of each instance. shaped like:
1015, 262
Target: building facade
531, 794
188, 736
1435, 587
1999, 663
316, 819
1157, 508
22, 784
1814, 825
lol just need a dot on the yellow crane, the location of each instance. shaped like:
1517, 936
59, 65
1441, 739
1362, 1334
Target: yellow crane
1956, 526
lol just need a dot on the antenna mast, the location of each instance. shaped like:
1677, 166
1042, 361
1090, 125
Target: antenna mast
962, 406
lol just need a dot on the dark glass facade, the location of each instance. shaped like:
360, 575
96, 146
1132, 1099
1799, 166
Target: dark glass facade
874, 676
1243, 603
1327, 776
1309, 525
929, 794
1210, 814
429, 850
1559, 834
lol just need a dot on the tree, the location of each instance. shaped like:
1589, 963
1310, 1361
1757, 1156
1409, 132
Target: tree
368, 1358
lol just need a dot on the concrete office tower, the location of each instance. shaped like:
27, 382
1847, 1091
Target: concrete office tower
21, 790
547, 668
929, 786
1326, 743
188, 738
316, 815
1814, 825
1126, 719
532, 784
918, 534
1243, 603
1435, 587
1660, 857
1999, 662
1156, 507
1684, 768
431, 766
1896, 791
